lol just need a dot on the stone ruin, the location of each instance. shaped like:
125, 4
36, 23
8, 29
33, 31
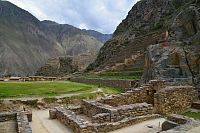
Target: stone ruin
114, 112
15, 122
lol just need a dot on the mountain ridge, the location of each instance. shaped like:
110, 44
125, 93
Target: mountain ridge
26, 44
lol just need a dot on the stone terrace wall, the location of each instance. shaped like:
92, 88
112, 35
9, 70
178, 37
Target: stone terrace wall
138, 95
174, 99
121, 84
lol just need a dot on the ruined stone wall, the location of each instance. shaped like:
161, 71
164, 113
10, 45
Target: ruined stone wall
183, 124
138, 95
104, 113
22, 119
70, 119
121, 84
7, 116
79, 125
121, 112
174, 99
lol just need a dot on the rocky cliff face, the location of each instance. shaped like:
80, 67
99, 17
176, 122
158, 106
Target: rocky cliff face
177, 58
26, 44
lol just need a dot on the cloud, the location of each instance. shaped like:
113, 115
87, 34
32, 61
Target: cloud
100, 15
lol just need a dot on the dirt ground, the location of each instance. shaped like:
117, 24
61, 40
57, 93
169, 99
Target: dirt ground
8, 127
143, 127
42, 124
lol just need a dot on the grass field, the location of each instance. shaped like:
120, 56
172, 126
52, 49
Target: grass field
46, 89
195, 115
111, 77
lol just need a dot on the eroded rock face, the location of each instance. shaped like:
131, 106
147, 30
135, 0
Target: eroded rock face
177, 56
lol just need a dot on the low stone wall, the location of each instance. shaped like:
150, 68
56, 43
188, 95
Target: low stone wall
122, 112
7, 117
22, 118
120, 84
175, 99
71, 120
104, 113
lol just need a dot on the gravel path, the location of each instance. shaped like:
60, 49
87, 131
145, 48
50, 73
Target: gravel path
42, 124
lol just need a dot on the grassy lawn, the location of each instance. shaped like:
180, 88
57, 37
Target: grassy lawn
45, 89
111, 77
192, 114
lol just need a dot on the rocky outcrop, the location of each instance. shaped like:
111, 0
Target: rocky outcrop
176, 58
57, 67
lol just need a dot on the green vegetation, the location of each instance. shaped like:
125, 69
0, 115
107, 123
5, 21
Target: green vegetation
195, 115
117, 75
46, 89
123, 73
111, 77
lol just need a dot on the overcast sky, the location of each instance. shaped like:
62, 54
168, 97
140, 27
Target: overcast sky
100, 15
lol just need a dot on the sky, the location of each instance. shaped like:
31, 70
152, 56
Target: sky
100, 15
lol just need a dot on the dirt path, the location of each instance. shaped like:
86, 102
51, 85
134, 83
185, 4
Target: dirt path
42, 124
143, 127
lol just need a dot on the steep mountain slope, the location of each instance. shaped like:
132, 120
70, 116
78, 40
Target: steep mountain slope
73, 40
143, 26
23, 44
26, 44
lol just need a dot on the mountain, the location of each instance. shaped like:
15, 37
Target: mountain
143, 26
23, 44
99, 36
160, 37
73, 40
26, 44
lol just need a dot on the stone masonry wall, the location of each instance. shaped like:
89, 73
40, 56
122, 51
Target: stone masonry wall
104, 113
138, 95
174, 99
7, 116
22, 118
79, 125
121, 84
